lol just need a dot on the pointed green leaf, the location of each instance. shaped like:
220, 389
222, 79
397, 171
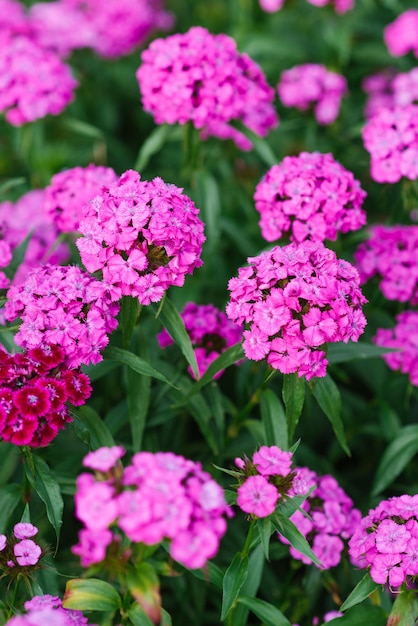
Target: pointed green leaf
235, 577
165, 618
405, 609
94, 431
209, 202
153, 144
265, 531
267, 613
129, 312
44, 483
287, 528
327, 394
293, 397
395, 458
138, 394
112, 353
274, 420
138, 616
173, 323
143, 583
91, 594
10, 497
260, 145
342, 352
361, 591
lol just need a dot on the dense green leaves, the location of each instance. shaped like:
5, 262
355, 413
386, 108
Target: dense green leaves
136, 363
396, 457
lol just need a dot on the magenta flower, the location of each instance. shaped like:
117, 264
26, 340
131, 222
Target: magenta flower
401, 36
210, 331
27, 552
311, 85
143, 236
271, 461
23, 530
309, 196
317, 299
257, 496
202, 78
404, 339
103, 459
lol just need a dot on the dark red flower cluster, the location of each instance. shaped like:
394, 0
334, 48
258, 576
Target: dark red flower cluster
34, 389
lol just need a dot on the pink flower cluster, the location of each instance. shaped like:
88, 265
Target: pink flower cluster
386, 541
210, 331
379, 90
63, 306
144, 236
202, 78
112, 28
47, 609
404, 339
266, 478
401, 36
27, 95
391, 138
24, 217
293, 301
311, 85
34, 389
331, 517
340, 6
159, 496
69, 191
20, 550
309, 196
390, 253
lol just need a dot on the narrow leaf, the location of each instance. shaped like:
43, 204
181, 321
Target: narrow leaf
361, 591
396, 457
342, 352
293, 397
47, 488
165, 618
265, 531
267, 613
260, 145
129, 312
234, 579
10, 497
274, 420
112, 353
174, 325
95, 433
138, 616
405, 609
208, 200
153, 144
327, 394
138, 395
91, 594
294, 536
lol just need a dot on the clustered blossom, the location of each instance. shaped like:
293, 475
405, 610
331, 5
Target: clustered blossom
24, 217
340, 6
390, 254
35, 387
12, 17
331, 519
210, 331
20, 550
386, 541
63, 306
143, 235
379, 90
401, 36
112, 29
266, 478
391, 138
403, 338
312, 86
70, 190
293, 301
310, 196
47, 609
27, 95
202, 78
159, 496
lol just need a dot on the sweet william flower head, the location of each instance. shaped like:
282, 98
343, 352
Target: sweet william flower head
403, 339
201, 78
293, 301
310, 196
143, 235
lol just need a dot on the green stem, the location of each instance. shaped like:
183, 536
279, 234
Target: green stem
247, 545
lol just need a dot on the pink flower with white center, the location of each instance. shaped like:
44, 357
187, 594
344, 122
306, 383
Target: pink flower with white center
143, 236
103, 459
311, 85
210, 331
271, 460
25, 95
318, 300
27, 552
202, 78
23, 530
257, 496
70, 190
68, 307
310, 196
